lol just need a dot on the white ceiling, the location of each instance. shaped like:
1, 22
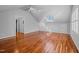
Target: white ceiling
9, 7
60, 12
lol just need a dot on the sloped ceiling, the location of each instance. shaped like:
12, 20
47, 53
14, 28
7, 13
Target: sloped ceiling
9, 7
59, 12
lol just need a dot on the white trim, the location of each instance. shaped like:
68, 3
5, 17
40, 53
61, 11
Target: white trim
6, 37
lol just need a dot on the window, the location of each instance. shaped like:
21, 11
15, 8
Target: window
75, 21
50, 18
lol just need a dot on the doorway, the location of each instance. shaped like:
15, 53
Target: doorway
19, 28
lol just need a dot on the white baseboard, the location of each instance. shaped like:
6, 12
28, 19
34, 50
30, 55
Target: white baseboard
6, 36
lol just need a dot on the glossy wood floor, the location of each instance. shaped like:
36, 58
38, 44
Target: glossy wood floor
39, 42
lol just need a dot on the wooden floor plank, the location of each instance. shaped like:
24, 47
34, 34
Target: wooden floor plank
38, 42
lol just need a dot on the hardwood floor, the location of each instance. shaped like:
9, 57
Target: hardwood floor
38, 42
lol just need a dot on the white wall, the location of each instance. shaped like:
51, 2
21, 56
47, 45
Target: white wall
75, 36
61, 14
30, 24
55, 27
8, 22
